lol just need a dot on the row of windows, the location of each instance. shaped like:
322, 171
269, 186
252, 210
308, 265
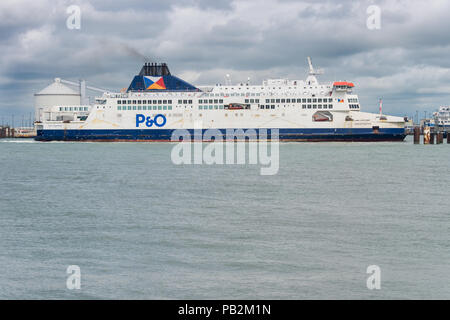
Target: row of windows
353, 100
303, 100
210, 101
73, 108
184, 101
243, 94
264, 88
319, 106
354, 106
304, 106
267, 107
144, 101
144, 108
210, 107
298, 100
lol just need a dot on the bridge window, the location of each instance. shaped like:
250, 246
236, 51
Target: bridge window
119, 102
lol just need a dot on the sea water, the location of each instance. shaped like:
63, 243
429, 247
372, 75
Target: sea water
140, 227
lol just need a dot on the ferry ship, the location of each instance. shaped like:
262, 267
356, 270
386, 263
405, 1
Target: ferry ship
442, 118
156, 103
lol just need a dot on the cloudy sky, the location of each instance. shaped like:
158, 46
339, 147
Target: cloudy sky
406, 61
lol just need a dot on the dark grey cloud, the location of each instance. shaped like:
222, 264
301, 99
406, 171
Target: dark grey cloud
406, 61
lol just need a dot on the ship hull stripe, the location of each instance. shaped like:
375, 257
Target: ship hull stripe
288, 134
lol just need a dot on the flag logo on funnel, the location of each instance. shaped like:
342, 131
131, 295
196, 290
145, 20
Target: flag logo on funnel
152, 83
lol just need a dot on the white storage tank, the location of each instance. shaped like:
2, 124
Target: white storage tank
56, 94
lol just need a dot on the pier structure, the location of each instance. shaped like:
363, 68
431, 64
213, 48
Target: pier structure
431, 135
7, 132
22, 132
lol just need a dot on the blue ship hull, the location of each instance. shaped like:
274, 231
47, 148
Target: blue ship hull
337, 134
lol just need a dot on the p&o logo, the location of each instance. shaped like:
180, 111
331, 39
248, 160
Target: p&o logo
159, 120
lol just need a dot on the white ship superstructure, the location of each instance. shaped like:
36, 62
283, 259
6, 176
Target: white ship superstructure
157, 103
441, 118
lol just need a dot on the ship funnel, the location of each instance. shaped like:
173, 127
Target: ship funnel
154, 69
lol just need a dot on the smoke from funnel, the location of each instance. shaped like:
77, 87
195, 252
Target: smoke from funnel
134, 53
124, 49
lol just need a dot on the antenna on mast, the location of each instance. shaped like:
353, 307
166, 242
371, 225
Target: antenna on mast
228, 79
381, 107
312, 71
312, 80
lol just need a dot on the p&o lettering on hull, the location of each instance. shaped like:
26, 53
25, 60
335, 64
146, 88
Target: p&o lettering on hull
159, 120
